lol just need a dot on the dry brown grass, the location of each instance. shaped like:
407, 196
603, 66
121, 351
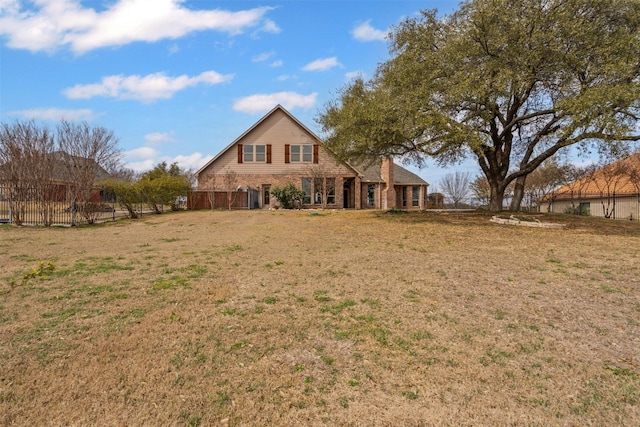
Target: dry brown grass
330, 318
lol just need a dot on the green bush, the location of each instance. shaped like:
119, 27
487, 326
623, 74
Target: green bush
288, 196
127, 193
582, 209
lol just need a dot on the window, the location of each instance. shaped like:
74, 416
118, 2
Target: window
371, 195
415, 196
404, 197
584, 208
331, 191
256, 153
317, 191
306, 187
301, 153
307, 153
248, 153
295, 153
260, 153
266, 195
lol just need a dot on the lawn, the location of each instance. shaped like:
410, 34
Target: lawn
289, 318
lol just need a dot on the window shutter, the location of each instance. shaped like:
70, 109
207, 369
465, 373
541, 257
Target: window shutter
268, 153
315, 153
239, 153
287, 149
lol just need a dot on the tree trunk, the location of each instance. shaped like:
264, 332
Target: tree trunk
497, 197
518, 193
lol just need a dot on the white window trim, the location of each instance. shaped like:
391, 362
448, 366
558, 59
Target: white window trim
301, 153
253, 153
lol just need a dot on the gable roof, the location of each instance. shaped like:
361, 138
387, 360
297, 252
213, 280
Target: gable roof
63, 161
405, 177
623, 177
369, 173
255, 125
401, 176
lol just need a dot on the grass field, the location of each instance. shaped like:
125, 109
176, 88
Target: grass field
320, 318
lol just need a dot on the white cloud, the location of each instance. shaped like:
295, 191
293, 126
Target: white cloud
146, 158
141, 166
159, 138
146, 89
145, 153
261, 103
366, 33
191, 162
50, 24
270, 26
322, 64
277, 63
56, 114
263, 56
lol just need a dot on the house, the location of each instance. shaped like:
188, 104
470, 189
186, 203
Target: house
56, 176
610, 192
51, 188
278, 150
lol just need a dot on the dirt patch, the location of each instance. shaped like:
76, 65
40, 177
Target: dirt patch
324, 318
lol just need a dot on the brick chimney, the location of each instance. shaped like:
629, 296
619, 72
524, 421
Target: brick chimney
388, 191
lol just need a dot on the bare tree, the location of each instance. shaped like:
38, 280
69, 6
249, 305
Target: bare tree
456, 186
323, 184
481, 190
26, 167
607, 180
578, 180
229, 181
88, 155
634, 178
542, 181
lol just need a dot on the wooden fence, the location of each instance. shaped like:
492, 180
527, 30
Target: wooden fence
216, 199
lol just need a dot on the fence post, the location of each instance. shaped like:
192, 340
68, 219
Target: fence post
10, 208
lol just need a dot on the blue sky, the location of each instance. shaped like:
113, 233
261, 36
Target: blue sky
179, 80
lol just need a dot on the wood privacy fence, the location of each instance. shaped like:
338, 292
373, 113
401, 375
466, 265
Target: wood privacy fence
216, 199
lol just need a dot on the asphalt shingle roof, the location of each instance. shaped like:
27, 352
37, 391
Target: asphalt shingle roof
401, 176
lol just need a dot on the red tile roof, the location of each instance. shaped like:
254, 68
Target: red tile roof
621, 178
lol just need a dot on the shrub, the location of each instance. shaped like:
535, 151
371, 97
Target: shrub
582, 209
288, 196
127, 194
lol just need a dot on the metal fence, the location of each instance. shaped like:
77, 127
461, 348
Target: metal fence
59, 205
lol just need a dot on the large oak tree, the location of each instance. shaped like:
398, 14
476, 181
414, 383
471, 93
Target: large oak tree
510, 83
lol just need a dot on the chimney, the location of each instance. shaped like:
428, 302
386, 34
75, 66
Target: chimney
388, 192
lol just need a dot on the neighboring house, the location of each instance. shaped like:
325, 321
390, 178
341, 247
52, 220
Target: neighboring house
67, 169
611, 192
62, 174
278, 150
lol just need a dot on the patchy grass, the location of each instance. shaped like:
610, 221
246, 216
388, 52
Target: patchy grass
346, 318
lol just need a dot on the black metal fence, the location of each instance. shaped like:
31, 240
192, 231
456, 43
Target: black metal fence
59, 205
